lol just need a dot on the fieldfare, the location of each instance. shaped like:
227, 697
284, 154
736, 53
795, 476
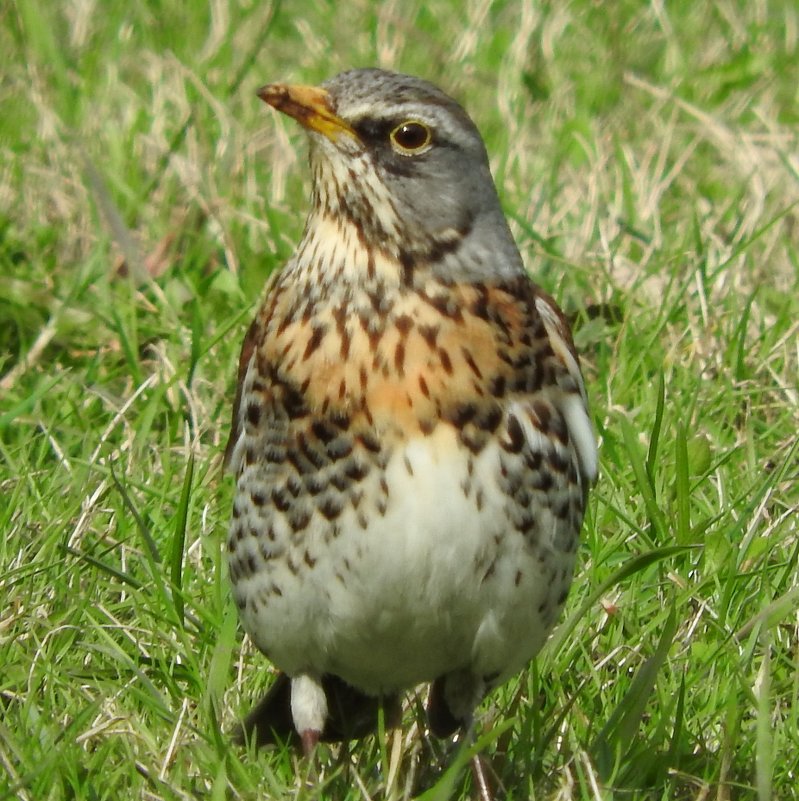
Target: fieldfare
410, 437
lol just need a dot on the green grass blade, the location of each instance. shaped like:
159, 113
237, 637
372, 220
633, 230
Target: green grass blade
682, 486
618, 733
179, 540
654, 436
764, 748
643, 481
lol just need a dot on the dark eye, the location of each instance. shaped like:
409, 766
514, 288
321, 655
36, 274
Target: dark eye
410, 137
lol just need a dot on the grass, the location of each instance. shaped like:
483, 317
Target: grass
647, 159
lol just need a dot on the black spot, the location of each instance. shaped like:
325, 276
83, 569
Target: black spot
299, 520
258, 499
444, 305
356, 471
515, 435
315, 340
403, 324
446, 362
561, 510
340, 481
281, 499
496, 386
442, 248
313, 455
407, 263
429, 334
544, 415
463, 414
559, 429
489, 418
366, 411
324, 431
274, 454
399, 358
344, 348
480, 306
294, 403
533, 460
557, 461
467, 355
314, 484
330, 508
526, 525
369, 441
253, 413
339, 419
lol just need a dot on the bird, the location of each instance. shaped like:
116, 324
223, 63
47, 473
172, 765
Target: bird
410, 438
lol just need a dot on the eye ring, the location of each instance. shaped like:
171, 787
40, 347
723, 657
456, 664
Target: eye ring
411, 137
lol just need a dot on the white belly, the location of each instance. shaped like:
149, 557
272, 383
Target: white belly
437, 580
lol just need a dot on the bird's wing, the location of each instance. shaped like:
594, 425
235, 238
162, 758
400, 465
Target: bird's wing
571, 399
251, 340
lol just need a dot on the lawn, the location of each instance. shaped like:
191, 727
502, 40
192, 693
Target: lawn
647, 157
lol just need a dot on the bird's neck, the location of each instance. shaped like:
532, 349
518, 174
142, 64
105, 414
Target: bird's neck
335, 253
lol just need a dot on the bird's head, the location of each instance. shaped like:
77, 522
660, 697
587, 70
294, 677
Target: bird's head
403, 163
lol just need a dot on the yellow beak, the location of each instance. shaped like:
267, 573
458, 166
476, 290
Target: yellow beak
309, 105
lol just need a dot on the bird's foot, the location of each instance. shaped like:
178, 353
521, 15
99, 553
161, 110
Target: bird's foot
310, 739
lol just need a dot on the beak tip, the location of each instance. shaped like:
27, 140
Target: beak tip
271, 93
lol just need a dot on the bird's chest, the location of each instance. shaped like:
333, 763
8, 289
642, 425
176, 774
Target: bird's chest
391, 357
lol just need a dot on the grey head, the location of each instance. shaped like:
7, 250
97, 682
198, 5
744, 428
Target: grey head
403, 162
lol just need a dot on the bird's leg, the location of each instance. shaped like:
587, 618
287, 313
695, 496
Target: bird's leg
450, 706
480, 776
308, 709
309, 737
